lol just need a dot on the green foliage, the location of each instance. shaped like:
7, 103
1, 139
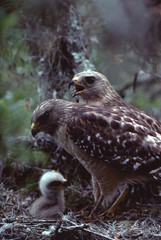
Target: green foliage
142, 98
18, 90
139, 99
7, 22
14, 117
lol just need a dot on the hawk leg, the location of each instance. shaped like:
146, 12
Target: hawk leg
98, 203
120, 199
96, 189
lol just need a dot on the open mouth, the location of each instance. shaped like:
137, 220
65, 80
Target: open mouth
78, 88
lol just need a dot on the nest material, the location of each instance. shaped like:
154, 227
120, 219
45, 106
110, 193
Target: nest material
17, 224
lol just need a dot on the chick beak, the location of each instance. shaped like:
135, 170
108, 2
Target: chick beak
78, 87
64, 182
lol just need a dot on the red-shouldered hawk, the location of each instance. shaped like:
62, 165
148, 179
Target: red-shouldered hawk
93, 88
51, 204
118, 145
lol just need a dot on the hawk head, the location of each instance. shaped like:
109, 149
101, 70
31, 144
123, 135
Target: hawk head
92, 87
47, 117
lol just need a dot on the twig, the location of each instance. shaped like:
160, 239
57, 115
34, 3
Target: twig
76, 227
38, 221
58, 226
99, 234
5, 227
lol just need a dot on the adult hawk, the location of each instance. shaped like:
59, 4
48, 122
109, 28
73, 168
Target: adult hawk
117, 144
93, 88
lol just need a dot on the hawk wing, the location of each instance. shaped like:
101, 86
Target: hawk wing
106, 135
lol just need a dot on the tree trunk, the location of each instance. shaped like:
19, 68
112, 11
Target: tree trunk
68, 55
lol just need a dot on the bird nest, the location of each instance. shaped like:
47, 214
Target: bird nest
139, 223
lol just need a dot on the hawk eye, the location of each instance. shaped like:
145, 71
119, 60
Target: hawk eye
90, 80
46, 114
42, 118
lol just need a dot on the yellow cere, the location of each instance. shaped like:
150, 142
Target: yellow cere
75, 79
32, 125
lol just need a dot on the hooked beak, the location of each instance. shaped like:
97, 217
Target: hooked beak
34, 130
78, 87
